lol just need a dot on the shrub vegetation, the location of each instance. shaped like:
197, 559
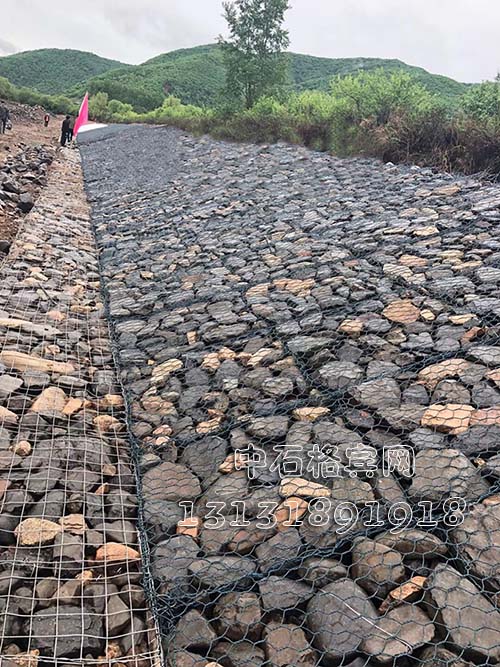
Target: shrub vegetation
379, 114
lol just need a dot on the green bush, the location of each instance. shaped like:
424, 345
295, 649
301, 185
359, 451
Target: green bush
379, 94
482, 101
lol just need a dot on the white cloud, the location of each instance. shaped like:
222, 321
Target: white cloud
458, 38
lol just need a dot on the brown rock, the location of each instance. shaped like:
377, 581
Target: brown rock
73, 405
22, 448
35, 532
303, 488
310, 414
412, 261
453, 418
114, 552
56, 316
432, 375
414, 542
73, 523
51, 401
290, 511
486, 417
351, 327
407, 592
286, 645
112, 401
447, 190
494, 376
398, 633
376, 568
163, 371
108, 424
238, 616
7, 416
190, 526
27, 362
403, 312
5, 484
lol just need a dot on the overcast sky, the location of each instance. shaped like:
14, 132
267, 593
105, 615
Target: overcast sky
459, 38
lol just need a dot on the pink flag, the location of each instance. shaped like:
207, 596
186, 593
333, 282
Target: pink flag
83, 115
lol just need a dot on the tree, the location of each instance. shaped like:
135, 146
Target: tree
483, 100
254, 53
98, 106
380, 94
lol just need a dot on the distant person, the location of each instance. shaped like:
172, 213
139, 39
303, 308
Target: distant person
46, 120
71, 129
65, 130
4, 118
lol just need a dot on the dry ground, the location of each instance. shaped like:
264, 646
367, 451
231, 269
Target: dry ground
27, 130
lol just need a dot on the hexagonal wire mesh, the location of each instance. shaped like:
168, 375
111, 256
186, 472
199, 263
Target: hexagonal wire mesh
309, 349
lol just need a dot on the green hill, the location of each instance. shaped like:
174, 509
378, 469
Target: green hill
310, 72
196, 76
53, 71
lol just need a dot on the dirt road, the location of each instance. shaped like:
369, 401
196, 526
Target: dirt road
18, 156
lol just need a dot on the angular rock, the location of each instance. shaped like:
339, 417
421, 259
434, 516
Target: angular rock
286, 644
339, 617
193, 632
376, 568
471, 621
67, 631
170, 481
398, 633
218, 571
281, 593
239, 616
445, 473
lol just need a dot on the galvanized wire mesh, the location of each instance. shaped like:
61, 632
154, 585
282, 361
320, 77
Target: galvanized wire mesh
309, 350
70, 563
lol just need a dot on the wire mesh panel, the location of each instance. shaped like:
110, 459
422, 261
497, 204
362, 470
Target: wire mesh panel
309, 348
70, 558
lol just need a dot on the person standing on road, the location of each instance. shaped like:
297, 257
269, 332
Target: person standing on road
71, 129
46, 120
65, 130
4, 118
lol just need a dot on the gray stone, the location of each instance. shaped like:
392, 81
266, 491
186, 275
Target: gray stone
239, 616
280, 593
398, 633
471, 621
193, 632
477, 540
67, 631
340, 374
217, 571
8, 385
286, 644
339, 617
170, 481
376, 568
445, 473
